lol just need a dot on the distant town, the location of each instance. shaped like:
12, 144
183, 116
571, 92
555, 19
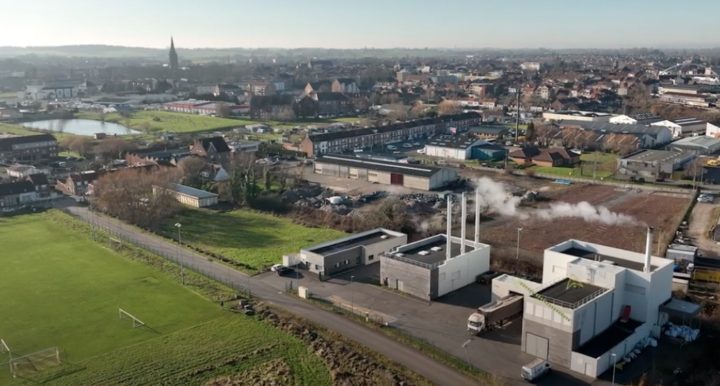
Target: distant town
389, 217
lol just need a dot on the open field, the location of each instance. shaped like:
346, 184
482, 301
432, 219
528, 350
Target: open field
60, 288
663, 211
606, 166
158, 121
255, 239
6, 128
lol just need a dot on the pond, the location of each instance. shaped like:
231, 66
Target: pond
81, 127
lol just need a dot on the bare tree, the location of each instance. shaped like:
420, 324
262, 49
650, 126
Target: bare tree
113, 148
447, 107
79, 144
192, 169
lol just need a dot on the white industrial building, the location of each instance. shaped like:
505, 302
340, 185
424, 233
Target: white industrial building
594, 301
457, 147
190, 196
684, 127
348, 252
576, 115
437, 265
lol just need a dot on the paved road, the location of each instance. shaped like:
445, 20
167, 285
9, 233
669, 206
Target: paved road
410, 358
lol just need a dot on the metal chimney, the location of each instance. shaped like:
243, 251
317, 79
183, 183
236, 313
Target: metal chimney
448, 232
648, 247
463, 224
477, 217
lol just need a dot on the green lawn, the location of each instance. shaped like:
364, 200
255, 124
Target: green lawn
606, 165
255, 239
6, 128
60, 288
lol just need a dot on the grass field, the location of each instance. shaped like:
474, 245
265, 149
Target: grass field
255, 239
606, 165
60, 288
7, 128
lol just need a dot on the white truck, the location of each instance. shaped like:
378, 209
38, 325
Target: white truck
495, 313
534, 369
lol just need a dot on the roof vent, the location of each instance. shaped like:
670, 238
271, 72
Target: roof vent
423, 253
436, 249
399, 254
384, 237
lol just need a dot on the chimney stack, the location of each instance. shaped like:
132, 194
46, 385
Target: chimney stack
648, 248
463, 224
477, 217
448, 232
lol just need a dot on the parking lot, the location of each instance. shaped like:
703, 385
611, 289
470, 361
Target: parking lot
442, 323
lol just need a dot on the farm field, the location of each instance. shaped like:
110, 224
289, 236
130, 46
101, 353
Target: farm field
62, 289
663, 211
254, 239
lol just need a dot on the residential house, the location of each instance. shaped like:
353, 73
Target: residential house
345, 86
272, 107
78, 184
213, 148
323, 104
318, 86
28, 148
15, 195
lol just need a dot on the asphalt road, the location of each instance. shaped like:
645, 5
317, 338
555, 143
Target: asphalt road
408, 357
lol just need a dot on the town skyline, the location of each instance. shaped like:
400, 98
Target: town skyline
401, 24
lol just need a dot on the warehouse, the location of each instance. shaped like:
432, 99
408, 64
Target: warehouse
456, 147
383, 172
437, 265
700, 145
190, 196
348, 252
596, 304
651, 165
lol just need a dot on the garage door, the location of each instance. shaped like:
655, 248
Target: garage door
396, 179
536, 345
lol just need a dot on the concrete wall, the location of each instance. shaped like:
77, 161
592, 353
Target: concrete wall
379, 177
504, 284
559, 341
462, 270
408, 278
342, 260
415, 182
442, 178
447, 152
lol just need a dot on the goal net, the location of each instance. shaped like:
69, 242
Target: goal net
126, 315
35, 363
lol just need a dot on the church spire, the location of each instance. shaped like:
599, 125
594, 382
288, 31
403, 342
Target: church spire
173, 56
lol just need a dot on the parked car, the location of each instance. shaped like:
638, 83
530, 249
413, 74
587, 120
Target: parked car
535, 369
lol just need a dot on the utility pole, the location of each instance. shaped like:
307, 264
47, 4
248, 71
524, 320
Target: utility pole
517, 246
177, 254
517, 117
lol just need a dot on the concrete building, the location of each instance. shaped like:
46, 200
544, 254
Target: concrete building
437, 265
190, 196
340, 141
575, 115
28, 148
648, 136
456, 147
339, 255
712, 130
684, 127
596, 301
651, 165
635, 119
383, 172
700, 145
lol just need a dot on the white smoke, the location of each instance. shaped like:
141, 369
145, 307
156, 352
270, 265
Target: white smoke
495, 197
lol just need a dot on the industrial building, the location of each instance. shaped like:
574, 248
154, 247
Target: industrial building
684, 127
339, 255
595, 304
700, 145
437, 265
651, 165
456, 147
648, 136
575, 115
383, 172
340, 141
190, 196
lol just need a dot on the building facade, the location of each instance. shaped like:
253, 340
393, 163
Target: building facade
28, 148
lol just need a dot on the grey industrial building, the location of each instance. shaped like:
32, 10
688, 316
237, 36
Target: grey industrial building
383, 172
650, 165
339, 255
700, 145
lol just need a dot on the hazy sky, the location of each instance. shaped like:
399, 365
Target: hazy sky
362, 23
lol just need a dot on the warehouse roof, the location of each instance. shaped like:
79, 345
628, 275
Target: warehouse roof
356, 240
190, 191
655, 156
454, 141
391, 167
606, 127
699, 142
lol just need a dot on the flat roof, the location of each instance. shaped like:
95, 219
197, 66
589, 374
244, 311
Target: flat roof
611, 337
391, 167
190, 191
351, 242
700, 141
655, 156
590, 255
569, 294
431, 257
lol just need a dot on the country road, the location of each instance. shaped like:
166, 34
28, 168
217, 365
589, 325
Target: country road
410, 358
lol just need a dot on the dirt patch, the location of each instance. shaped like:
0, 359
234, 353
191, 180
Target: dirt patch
271, 373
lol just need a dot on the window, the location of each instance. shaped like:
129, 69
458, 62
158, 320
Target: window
371, 257
318, 267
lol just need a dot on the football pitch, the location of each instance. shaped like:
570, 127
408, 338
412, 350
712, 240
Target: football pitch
61, 289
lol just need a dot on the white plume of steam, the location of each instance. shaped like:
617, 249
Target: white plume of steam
495, 197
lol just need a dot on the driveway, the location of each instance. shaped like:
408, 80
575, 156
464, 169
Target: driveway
700, 220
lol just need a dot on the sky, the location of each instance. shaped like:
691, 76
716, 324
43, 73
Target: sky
362, 23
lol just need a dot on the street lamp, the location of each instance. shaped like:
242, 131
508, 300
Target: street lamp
177, 253
613, 355
517, 246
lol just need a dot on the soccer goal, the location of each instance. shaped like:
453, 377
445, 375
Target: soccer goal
34, 363
126, 315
